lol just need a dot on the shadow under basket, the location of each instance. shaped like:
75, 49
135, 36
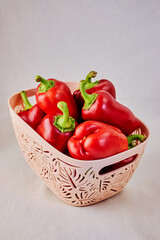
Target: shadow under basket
77, 182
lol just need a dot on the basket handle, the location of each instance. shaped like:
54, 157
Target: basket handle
114, 166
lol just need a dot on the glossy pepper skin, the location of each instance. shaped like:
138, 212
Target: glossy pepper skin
50, 92
92, 87
32, 115
94, 140
101, 106
57, 129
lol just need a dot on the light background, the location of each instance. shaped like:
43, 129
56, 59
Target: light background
65, 40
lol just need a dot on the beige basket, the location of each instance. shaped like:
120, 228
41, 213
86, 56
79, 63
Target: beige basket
78, 183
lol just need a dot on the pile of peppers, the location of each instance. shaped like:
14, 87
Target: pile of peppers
89, 124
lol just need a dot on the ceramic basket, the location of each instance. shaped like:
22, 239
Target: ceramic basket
78, 183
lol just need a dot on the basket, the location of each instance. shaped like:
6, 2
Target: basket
77, 182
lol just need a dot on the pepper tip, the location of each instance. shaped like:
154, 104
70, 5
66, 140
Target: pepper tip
93, 74
38, 78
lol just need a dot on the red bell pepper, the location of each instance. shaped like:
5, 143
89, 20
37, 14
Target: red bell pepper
94, 140
91, 87
101, 106
57, 129
50, 92
32, 115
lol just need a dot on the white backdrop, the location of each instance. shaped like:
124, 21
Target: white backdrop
65, 40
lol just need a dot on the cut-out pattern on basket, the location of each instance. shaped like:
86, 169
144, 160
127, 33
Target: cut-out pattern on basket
75, 185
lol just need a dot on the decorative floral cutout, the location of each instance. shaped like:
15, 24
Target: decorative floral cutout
75, 185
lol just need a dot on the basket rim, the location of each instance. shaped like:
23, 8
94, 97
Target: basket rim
111, 159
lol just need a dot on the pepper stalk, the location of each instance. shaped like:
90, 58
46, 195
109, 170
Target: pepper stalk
88, 83
132, 138
45, 84
27, 104
89, 99
64, 122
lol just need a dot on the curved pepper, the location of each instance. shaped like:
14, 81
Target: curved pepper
57, 129
50, 92
101, 106
32, 115
91, 87
94, 140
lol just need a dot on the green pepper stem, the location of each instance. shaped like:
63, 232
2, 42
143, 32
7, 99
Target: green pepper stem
88, 83
64, 122
132, 138
90, 75
89, 99
41, 80
26, 102
45, 84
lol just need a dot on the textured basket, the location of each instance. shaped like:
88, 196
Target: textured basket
79, 183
